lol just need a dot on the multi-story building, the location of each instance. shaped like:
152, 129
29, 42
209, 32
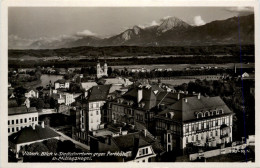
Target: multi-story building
200, 121
139, 105
20, 117
61, 84
101, 71
90, 114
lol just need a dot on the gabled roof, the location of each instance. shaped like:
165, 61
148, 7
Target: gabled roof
61, 81
99, 93
21, 110
28, 134
127, 142
185, 111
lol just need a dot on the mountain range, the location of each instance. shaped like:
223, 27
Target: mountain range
171, 32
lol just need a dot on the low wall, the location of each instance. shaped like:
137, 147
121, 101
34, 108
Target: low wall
217, 152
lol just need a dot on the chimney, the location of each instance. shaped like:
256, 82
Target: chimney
179, 96
199, 96
139, 95
33, 126
145, 132
42, 124
120, 130
27, 103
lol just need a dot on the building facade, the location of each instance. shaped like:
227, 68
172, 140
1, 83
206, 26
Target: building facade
90, 113
20, 117
195, 121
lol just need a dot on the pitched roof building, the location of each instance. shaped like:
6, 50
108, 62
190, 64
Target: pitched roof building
200, 121
140, 104
29, 135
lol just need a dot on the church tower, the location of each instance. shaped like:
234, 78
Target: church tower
101, 71
105, 69
98, 69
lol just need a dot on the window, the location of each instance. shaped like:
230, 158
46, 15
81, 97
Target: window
187, 139
202, 125
192, 138
97, 112
17, 128
216, 133
16, 121
12, 121
25, 120
216, 122
32, 119
8, 130
223, 121
12, 129
187, 128
8, 122
21, 120
35, 118
211, 134
197, 137
169, 137
146, 150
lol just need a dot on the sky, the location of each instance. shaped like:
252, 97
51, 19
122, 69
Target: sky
28, 24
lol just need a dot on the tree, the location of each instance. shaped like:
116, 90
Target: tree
51, 144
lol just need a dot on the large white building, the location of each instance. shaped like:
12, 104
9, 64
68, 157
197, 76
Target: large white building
62, 84
90, 115
20, 117
200, 121
101, 71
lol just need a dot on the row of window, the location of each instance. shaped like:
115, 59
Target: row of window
15, 129
97, 113
204, 125
143, 151
22, 120
209, 113
196, 138
92, 105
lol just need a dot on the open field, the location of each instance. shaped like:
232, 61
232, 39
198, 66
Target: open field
183, 66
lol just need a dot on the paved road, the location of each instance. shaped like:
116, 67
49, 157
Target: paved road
77, 143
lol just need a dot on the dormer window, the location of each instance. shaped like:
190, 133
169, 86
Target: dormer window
220, 111
199, 115
214, 112
206, 114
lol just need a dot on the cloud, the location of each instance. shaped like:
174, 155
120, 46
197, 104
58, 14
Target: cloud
153, 23
198, 21
241, 10
85, 33
16, 42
